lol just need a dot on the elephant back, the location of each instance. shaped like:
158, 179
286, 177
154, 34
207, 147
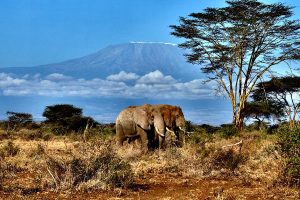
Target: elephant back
135, 116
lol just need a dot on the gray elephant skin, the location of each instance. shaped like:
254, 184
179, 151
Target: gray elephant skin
149, 123
139, 122
174, 120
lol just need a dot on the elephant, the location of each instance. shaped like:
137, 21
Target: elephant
139, 122
173, 120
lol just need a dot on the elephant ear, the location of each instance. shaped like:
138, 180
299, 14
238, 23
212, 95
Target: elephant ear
166, 112
141, 118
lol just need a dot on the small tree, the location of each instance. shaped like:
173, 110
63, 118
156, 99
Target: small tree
284, 91
260, 110
67, 117
16, 119
59, 112
236, 45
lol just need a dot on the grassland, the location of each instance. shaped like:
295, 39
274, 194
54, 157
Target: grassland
37, 164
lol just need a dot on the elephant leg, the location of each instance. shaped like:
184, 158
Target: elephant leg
151, 139
144, 140
138, 141
135, 140
120, 135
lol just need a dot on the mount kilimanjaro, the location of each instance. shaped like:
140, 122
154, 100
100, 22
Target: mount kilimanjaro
136, 57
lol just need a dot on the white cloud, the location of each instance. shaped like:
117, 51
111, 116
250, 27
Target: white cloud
154, 85
58, 77
8, 81
156, 77
123, 76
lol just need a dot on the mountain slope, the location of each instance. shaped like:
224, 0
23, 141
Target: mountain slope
139, 58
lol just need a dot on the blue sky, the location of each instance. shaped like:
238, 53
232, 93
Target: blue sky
37, 32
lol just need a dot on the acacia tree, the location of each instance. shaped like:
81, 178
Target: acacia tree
60, 112
17, 118
284, 91
236, 45
262, 109
67, 117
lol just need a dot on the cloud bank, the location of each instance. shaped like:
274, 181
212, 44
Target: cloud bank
154, 85
122, 76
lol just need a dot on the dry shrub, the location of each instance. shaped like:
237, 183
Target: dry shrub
91, 170
9, 149
264, 163
227, 159
34, 134
38, 151
28, 134
7, 170
174, 158
192, 160
2, 174
130, 152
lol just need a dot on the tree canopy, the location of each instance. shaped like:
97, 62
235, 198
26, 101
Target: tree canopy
19, 118
284, 91
67, 117
236, 45
59, 112
260, 110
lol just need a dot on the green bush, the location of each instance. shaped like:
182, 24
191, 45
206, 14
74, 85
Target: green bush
272, 129
289, 142
199, 136
257, 126
208, 128
64, 118
227, 131
292, 171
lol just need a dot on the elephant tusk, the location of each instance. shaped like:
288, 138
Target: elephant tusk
170, 130
181, 129
159, 133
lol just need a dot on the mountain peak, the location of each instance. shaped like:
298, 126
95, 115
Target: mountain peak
136, 57
167, 43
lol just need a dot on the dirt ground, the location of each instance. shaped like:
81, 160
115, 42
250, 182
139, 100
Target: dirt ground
169, 187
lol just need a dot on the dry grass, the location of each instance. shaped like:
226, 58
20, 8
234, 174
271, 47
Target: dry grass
62, 164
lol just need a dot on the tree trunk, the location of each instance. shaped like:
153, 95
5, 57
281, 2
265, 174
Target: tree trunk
238, 118
238, 123
291, 123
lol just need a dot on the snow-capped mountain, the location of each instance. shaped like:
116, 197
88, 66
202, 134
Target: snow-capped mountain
105, 82
136, 57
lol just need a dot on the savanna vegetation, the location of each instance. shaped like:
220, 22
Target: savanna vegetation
36, 161
69, 155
